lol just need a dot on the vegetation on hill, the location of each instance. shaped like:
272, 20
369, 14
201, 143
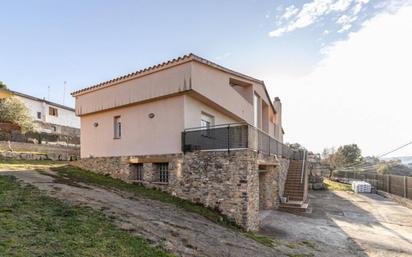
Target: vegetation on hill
12, 110
2, 85
349, 157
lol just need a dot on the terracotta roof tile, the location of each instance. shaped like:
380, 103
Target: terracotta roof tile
161, 65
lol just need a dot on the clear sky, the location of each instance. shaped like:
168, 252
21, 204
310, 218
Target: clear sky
341, 67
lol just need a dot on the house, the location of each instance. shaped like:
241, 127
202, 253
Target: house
50, 117
192, 128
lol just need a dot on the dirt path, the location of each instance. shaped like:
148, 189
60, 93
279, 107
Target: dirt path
347, 224
181, 232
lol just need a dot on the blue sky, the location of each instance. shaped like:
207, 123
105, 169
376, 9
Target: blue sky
286, 43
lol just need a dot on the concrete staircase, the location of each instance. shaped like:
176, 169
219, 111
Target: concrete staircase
295, 188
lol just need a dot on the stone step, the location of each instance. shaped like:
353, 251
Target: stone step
294, 193
296, 199
295, 189
293, 177
294, 185
293, 180
294, 206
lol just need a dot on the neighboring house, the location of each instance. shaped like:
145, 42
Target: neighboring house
192, 128
50, 117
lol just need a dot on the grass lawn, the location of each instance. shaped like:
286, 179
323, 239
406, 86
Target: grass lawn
337, 186
16, 164
33, 224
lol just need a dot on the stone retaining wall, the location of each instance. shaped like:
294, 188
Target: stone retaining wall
227, 181
28, 151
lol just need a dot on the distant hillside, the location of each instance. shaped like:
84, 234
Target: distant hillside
406, 160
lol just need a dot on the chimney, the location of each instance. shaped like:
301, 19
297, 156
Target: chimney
278, 107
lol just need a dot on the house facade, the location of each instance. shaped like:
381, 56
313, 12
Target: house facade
50, 117
192, 128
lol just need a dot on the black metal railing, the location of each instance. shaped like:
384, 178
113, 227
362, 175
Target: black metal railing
234, 136
227, 136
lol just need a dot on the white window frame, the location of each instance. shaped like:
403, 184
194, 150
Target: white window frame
206, 122
117, 124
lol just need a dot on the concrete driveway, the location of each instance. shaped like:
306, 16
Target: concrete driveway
345, 224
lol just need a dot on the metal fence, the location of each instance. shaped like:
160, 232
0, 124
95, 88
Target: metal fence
393, 184
234, 136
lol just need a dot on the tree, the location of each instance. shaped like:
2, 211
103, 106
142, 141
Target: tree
383, 168
332, 159
2, 85
351, 154
12, 110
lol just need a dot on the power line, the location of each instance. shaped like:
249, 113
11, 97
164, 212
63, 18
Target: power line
396, 149
358, 165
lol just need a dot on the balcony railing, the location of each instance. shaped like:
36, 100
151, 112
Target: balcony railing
235, 136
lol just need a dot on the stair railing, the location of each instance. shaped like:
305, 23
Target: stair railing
303, 166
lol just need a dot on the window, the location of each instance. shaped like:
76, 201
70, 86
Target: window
137, 172
53, 111
53, 128
39, 115
117, 127
206, 121
163, 172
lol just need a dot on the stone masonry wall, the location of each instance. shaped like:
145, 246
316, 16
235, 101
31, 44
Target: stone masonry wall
29, 151
226, 181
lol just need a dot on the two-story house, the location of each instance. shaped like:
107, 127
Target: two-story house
192, 128
50, 117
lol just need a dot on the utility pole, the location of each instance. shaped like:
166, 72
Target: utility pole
64, 92
48, 93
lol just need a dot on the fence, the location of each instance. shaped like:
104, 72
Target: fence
235, 136
393, 184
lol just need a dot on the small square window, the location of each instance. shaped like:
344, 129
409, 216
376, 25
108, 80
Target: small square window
53, 111
137, 172
163, 172
39, 115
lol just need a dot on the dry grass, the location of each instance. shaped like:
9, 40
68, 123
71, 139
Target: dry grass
336, 186
16, 164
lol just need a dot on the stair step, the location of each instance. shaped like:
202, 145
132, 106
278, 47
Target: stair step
293, 207
293, 193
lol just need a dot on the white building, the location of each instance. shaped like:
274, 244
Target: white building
53, 117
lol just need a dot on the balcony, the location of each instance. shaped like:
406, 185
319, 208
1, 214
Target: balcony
234, 136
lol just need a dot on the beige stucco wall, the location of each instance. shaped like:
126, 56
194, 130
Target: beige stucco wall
194, 109
271, 128
168, 81
177, 95
140, 134
214, 84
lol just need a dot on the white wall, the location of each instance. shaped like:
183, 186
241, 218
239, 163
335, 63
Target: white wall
65, 117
